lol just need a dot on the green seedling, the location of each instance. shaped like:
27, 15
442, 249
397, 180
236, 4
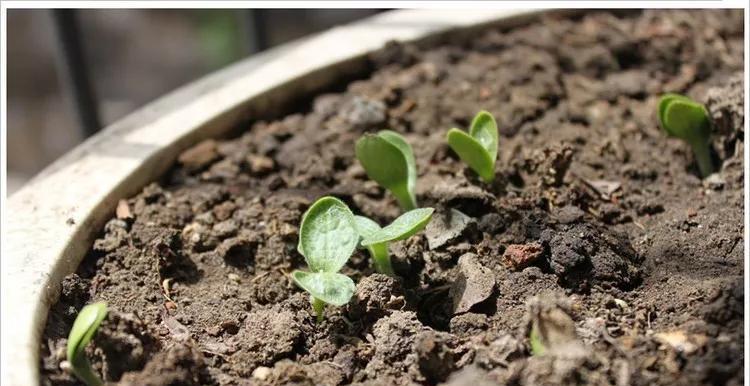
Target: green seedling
389, 160
83, 330
682, 117
327, 238
478, 148
537, 348
376, 239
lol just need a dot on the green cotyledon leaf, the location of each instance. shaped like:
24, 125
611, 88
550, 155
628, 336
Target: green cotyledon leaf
84, 328
478, 148
664, 101
687, 120
484, 130
327, 235
389, 160
683, 118
366, 227
401, 228
330, 287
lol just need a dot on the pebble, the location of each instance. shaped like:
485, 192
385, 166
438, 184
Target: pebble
261, 373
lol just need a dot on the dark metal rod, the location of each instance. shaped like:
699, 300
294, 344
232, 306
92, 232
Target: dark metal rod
73, 71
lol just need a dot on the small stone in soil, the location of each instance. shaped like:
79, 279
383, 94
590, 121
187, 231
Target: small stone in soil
445, 227
473, 285
520, 256
198, 156
261, 373
230, 326
260, 164
364, 113
123, 210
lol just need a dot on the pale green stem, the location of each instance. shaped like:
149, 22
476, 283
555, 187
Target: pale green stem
488, 175
318, 306
380, 259
85, 373
702, 151
405, 198
537, 348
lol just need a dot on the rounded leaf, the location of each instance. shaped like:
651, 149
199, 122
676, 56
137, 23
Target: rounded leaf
327, 235
687, 120
383, 161
84, 328
473, 153
402, 228
331, 287
664, 101
389, 160
484, 130
365, 226
411, 164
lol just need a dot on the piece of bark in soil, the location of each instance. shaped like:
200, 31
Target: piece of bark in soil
473, 285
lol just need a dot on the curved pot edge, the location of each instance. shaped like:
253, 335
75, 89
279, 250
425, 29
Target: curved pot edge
55, 217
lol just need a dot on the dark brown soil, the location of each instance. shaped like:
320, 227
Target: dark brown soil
597, 231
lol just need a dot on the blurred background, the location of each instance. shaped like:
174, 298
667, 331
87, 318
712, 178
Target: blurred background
72, 72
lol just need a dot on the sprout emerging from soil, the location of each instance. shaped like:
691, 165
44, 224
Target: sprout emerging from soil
83, 330
478, 148
537, 348
389, 160
376, 239
327, 238
684, 118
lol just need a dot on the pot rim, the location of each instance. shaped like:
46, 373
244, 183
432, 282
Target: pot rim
55, 217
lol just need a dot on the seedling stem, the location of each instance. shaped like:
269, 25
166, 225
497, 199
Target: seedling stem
380, 258
319, 307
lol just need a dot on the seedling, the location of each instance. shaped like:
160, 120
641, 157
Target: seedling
376, 239
537, 348
478, 148
389, 160
684, 118
83, 330
327, 238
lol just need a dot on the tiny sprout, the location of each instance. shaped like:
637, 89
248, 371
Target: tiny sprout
327, 238
389, 160
376, 239
537, 348
478, 148
83, 330
684, 118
